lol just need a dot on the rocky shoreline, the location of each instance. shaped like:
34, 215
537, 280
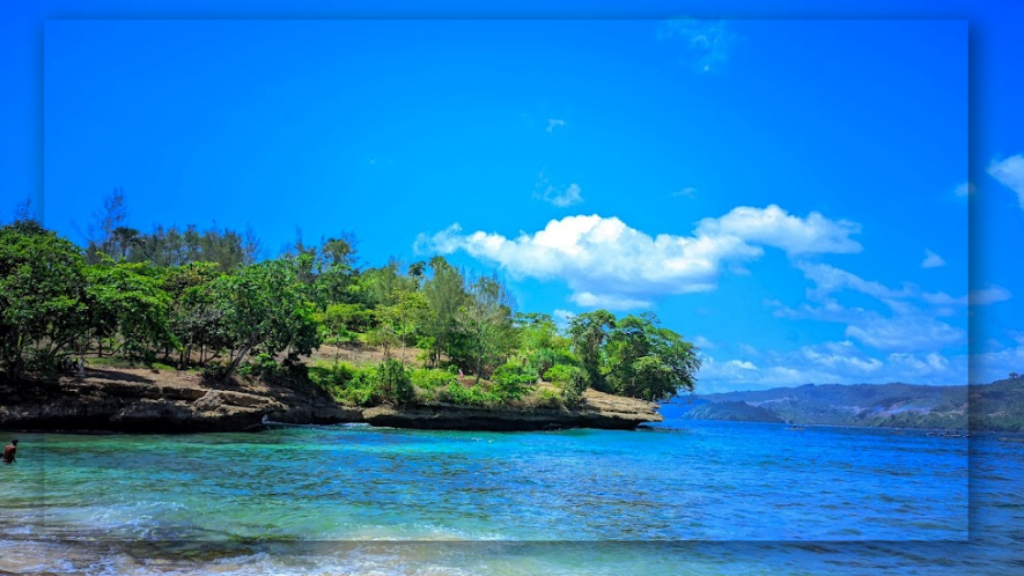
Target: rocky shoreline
146, 401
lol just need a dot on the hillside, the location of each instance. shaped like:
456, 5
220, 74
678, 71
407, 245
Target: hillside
995, 406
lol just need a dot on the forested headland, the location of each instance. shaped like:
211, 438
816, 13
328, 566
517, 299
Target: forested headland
204, 300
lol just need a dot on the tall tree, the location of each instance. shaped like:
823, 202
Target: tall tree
264, 310
588, 332
445, 293
129, 300
486, 318
42, 294
113, 215
648, 361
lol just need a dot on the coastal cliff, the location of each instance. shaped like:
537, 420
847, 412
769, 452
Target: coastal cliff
147, 401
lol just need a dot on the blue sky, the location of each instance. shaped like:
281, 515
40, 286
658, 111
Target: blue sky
792, 195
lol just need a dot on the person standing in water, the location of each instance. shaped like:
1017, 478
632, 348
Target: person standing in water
9, 451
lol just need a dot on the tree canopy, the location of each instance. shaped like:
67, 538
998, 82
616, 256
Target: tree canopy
204, 299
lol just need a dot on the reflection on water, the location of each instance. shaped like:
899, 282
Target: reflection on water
340, 500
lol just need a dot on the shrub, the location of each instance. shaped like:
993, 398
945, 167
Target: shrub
429, 379
550, 397
560, 373
393, 380
346, 383
513, 379
572, 391
471, 395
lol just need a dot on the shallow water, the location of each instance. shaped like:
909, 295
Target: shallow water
698, 497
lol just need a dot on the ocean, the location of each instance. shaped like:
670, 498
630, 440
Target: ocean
686, 497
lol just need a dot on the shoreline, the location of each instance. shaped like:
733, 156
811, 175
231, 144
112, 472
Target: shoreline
145, 401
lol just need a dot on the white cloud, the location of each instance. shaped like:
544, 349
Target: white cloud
904, 331
830, 363
965, 189
748, 350
977, 297
688, 192
703, 343
607, 263
706, 44
562, 198
558, 196
986, 296
562, 317
828, 279
554, 123
609, 301
990, 366
840, 355
932, 260
1010, 173
773, 226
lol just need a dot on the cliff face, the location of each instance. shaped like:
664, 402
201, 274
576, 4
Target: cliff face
597, 410
138, 400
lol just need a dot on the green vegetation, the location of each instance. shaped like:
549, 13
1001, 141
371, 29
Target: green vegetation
205, 301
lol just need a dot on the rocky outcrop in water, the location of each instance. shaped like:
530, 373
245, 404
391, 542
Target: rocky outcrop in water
146, 401
597, 410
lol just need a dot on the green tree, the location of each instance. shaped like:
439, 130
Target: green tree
588, 332
648, 361
129, 300
195, 319
42, 294
445, 294
540, 341
264, 311
486, 318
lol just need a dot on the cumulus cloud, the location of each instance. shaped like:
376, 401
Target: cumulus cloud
607, 263
773, 226
932, 260
1010, 173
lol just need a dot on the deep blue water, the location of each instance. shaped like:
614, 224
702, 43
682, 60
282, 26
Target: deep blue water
694, 497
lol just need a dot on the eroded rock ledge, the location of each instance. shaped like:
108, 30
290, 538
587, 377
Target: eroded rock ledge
136, 400
144, 401
597, 410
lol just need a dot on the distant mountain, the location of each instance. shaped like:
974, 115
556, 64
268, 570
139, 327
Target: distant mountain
996, 406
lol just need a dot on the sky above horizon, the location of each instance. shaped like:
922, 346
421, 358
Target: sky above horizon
800, 214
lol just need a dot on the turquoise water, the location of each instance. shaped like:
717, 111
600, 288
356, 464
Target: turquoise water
700, 497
